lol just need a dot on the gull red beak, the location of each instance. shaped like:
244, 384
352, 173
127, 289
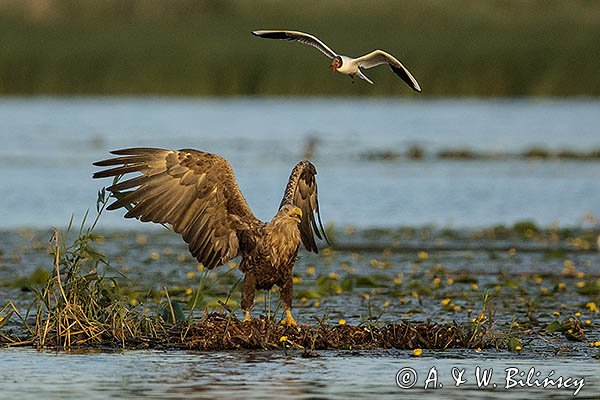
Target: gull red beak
334, 65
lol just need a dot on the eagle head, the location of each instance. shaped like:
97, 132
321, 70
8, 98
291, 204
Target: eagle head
290, 211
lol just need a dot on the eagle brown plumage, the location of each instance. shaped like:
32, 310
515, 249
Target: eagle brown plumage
196, 193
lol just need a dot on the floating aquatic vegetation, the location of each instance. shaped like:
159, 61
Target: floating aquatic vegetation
418, 153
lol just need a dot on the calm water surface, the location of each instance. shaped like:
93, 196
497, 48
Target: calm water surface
48, 145
164, 375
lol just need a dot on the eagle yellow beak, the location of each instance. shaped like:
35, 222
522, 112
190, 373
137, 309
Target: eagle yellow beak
297, 215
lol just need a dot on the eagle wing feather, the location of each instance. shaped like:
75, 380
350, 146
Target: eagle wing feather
193, 191
301, 191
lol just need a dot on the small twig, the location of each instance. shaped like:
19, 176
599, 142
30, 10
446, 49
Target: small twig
57, 263
170, 305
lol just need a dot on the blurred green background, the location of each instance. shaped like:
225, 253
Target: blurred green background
186, 47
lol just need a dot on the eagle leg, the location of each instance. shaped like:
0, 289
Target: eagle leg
248, 294
286, 299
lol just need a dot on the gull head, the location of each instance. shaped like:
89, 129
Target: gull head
336, 63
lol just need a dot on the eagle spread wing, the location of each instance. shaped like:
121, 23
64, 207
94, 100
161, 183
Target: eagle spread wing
197, 194
193, 191
301, 191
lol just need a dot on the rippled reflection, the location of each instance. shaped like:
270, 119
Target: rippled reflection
273, 375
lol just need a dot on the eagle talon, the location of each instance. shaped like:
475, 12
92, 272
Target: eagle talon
289, 320
247, 317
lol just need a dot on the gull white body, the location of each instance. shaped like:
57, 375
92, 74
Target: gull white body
351, 67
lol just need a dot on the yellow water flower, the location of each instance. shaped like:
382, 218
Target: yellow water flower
317, 304
457, 308
538, 279
188, 291
346, 267
141, 239
398, 279
578, 314
283, 339
592, 306
518, 348
474, 287
200, 267
436, 282
133, 302
342, 322
154, 256
450, 281
417, 352
596, 344
512, 252
386, 304
191, 274
333, 275
568, 263
310, 270
446, 301
580, 284
423, 255
569, 268
562, 286
588, 321
296, 280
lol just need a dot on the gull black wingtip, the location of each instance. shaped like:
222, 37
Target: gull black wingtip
266, 34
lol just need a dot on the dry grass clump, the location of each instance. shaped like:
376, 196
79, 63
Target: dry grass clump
82, 309
79, 306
